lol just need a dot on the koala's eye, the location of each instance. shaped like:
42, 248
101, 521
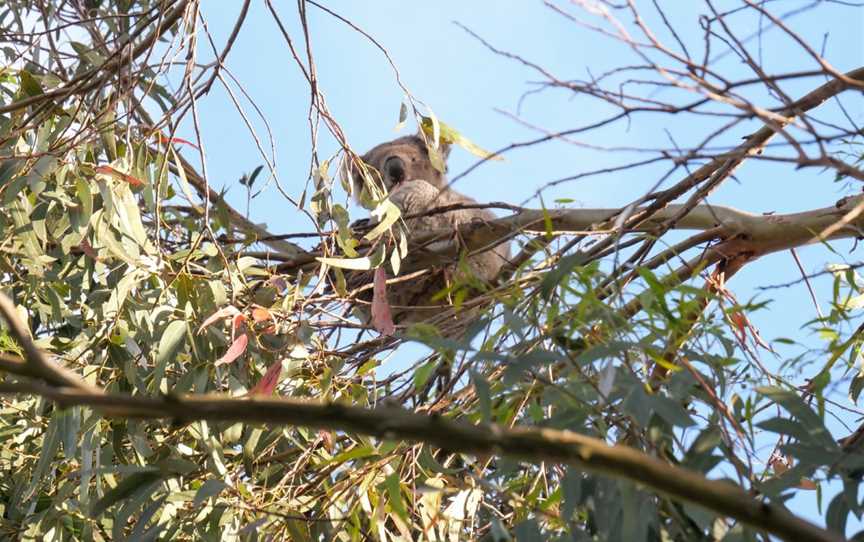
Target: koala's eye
394, 170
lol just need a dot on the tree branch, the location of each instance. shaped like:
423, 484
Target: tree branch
36, 363
97, 76
744, 232
534, 444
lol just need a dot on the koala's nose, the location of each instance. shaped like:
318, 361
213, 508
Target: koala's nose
394, 169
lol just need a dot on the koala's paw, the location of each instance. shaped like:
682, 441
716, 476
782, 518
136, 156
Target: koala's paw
413, 196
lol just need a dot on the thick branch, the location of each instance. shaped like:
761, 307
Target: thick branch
746, 232
534, 444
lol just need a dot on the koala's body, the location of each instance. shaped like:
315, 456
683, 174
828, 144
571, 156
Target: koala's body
416, 186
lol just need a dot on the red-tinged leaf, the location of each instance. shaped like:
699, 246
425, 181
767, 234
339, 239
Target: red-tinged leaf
382, 321
269, 330
108, 170
807, 484
267, 384
234, 351
87, 249
740, 322
260, 314
163, 139
238, 324
221, 314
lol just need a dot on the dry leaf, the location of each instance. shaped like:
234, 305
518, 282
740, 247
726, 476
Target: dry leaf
382, 321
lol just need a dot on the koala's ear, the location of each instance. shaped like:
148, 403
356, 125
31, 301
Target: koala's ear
426, 136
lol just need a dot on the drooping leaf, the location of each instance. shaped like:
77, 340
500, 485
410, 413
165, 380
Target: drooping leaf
234, 351
267, 384
387, 214
403, 116
223, 313
161, 138
172, 340
144, 478
382, 320
449, 135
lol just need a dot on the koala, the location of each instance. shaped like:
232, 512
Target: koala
414, 186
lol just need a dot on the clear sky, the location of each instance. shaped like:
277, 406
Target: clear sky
464, 83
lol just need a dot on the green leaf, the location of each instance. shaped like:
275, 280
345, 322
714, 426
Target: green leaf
387, 214
528, 531
181, 174
209, 488
423, 373
658, 289
148, 476
484, 396
343, 233
29, 84
357, 452
48, 449
447, 134
837, 514
363, 263
793, 404
785, 426
105, 236
671, 411
106, 124
563, 268
403, 116
130, 217
358, 264
394, 494
395, 262
172, 340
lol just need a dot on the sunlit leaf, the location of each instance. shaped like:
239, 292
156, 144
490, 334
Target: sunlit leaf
387, 214
225, 312
358, 264
449, 135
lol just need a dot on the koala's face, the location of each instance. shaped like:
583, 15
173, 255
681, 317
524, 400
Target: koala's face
402, 160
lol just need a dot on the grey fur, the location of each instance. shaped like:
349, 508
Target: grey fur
416, 186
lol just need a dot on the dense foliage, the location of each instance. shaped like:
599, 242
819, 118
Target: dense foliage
130, 270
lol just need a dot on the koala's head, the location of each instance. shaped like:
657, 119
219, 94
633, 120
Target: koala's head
402, 160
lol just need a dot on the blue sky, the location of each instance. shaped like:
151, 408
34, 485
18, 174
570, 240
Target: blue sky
464, 84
